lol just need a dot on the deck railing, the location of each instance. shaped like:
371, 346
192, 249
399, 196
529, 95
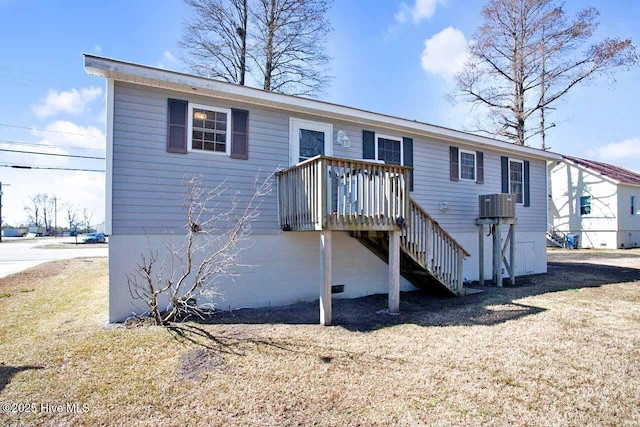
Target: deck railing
340, 194
433, 248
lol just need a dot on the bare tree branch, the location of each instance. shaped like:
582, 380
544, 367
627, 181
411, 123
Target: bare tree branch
528, 54
216, 234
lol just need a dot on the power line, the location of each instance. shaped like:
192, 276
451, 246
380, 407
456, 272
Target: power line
48, 130
62, 79
14, 83
48, 168
52, 154
30, 144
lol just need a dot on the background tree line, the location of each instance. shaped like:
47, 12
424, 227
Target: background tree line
40, 211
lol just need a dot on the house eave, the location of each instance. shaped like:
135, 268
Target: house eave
176, 81
592, 172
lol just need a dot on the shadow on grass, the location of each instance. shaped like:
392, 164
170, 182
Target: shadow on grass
7, 372
492, 306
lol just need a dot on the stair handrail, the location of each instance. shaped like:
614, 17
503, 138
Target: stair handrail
434, 248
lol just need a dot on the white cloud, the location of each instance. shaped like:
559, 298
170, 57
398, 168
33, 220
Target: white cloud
169, 56
617, 150
97, 49
63, 132
167, 60
82, 189
72, 102
445, 53
422, 9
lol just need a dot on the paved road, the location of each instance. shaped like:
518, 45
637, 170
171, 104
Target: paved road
20, 254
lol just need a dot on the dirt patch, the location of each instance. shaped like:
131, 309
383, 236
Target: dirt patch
195, 364
37, 273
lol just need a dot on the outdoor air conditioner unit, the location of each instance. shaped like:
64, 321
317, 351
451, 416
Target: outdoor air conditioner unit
497, 205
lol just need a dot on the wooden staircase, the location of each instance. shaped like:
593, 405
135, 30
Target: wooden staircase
556, 237
430, 258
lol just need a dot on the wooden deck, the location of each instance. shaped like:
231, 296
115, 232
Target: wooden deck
328, 193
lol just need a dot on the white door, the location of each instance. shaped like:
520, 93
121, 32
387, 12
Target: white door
308, 139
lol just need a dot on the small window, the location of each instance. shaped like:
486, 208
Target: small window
389, 149
516, 179
585, 205
467, 165
209, 129
634, 207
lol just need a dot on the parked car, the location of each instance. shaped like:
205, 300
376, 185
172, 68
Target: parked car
95, 238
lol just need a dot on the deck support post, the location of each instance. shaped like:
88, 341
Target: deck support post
325, 277
512, 254
497, 255
481, 254
499, 250
394, 271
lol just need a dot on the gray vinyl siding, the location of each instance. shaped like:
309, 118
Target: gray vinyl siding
147, 181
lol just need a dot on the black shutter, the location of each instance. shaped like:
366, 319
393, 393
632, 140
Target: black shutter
505, 174
407, 148
479, 167
454, 167
239, 134
368, 144
526, 195
177, 126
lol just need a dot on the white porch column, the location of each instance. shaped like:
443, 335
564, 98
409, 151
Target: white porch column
325, 274
394, 271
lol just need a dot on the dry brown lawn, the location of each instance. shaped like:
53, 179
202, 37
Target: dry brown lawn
557, 349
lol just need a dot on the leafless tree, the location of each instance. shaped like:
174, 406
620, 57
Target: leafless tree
527, 55
290, 38
71, 214
39, 210
47, 211
215, 39
87, 216
210, 250
283, 40
33, 208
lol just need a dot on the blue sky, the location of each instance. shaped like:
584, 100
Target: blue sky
377, 49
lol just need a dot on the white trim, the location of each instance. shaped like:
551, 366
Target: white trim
393, 138
227, 111
580, 205
475, 165
155, 77
523, 177
295, 124
108, 179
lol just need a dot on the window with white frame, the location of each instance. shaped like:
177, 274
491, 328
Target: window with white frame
634, 206
467, 164
516, 179
209, 129
308, 139
585, 205
389, 149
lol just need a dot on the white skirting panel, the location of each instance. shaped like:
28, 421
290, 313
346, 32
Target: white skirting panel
285, 269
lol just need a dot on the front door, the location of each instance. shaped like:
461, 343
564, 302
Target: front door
308, 139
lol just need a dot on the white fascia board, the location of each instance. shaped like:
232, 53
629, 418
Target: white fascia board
172, 80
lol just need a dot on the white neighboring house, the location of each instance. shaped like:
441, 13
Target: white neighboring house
350, 182
596, 201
